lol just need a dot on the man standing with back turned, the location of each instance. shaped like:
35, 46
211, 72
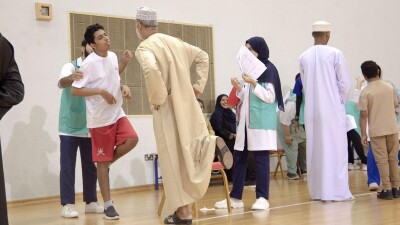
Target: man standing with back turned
185, 149
326, 88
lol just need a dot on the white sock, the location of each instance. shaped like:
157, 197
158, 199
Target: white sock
108, 204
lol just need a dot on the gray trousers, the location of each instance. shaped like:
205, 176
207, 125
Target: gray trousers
297, 151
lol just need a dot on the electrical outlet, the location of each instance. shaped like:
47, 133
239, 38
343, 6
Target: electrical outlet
148, 157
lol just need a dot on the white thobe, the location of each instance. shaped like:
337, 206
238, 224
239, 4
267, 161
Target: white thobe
326, 86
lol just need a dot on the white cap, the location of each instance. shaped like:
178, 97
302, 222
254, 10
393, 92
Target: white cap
321, 26
146, 14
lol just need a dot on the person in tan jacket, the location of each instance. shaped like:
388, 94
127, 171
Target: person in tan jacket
185, 148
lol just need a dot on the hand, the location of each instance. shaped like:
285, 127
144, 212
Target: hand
296, 124
127, 56
76, 75
364, 140
197, 93
288, 140
236, 83
248, 79
108, 97
359, 81
126, 92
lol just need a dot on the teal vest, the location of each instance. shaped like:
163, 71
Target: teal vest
72, 118
301, 114
262, 115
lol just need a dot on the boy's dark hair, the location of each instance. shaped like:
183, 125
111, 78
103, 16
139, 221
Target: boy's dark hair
89, 33
84, 43
370, 69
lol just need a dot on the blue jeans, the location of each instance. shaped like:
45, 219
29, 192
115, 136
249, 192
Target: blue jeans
69, 147
372, 168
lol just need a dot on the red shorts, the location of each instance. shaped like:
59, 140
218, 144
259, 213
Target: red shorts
104, 139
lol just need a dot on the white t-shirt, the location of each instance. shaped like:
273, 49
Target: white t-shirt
101, 72
286, 117
68, 69
350, 123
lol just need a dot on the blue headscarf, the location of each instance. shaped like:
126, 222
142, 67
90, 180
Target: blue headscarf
271, 74
221, 114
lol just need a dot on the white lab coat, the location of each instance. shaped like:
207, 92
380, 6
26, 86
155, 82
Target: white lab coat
257, 139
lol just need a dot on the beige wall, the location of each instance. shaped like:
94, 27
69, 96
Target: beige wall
362, 29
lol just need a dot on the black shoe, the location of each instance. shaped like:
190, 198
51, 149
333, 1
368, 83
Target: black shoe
110, 213
291, 176
396, 192
385, 194
174, 219
224, 155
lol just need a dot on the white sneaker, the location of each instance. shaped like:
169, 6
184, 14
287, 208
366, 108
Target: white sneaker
350, 166
260, 204
373, 186
353, 166
235, 203
94, 207
364, 167
68, 211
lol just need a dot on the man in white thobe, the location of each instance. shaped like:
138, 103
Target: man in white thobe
326, 87
185, 148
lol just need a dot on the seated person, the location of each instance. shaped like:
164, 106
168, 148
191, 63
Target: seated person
223, 122
209, 127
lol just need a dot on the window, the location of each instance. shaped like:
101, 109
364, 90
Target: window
123, 36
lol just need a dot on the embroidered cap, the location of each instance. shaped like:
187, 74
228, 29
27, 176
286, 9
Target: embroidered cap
146, 14
321, 26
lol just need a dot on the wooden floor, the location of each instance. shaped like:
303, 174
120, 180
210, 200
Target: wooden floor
289, 202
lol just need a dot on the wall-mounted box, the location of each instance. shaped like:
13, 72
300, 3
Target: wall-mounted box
43, 11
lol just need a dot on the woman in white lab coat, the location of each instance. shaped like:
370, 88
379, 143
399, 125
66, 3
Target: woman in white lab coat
256, 127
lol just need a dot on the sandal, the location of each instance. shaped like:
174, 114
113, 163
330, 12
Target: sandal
174, 219
223, 152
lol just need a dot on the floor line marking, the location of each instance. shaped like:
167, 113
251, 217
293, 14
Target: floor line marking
278, 207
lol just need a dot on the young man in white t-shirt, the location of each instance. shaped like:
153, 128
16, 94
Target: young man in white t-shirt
112, 134
74, 134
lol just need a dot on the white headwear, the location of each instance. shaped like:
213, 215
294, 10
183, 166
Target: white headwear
321, 26
146, 14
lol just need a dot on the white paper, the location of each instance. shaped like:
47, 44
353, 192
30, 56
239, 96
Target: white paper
249, 64
204, 209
